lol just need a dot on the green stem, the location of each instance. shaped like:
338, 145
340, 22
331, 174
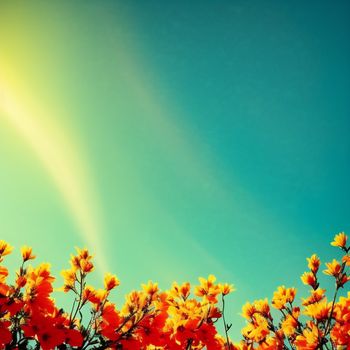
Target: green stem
224, 321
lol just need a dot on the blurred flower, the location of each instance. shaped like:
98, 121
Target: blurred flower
27, 253
111, 281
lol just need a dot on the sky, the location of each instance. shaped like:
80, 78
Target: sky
176, 139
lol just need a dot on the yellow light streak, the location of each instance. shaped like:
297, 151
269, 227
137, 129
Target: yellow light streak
61, 161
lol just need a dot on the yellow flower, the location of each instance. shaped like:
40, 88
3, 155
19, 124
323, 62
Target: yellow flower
83, 253
27, 253
82, 261
257, 330
313, 263
248, 310
150, 288
100, 296
282, 296
86, 266
5, 248
182, 291
69, 278
207, 289
320, 311
309, 279
111, 281
333, 268
262, 307
342, 310
316, 296
88, 293
309, 339
289, 325
226, 288
340, 240
134, 302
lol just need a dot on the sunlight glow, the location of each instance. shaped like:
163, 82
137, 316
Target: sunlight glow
62, 163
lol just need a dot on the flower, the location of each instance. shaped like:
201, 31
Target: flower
333, 268
310, 338
290, 323
27, 253
70, 278
150, 288
319, 310
3, 274
340, 240
316, 296
309, 278
207, 289
152, 319
82, 261
182, 291
346, 260
226, 288
248, 310
283, 296
258, 330
5, 334
5, 249
110, 282
313, 263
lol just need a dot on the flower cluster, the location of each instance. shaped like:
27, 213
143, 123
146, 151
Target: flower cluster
181, 318
149, 319
315, 324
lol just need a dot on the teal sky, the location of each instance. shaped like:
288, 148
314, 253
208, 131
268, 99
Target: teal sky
176, 139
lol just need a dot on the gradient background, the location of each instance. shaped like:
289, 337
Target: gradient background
176, 139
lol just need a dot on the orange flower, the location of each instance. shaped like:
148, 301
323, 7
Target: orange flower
111, 281
134, 301
340, 240
343, 278
262, 307
5, 249
341, 331
151, 319
316, 296
207, 289
182, 291
70, 278
248, 310
3, 274
309, 278
226, 288
21, 281
283, 296
27, 253
89, 294
39, 288
258, 330
82, 261
97, 297
289, 324
86, 266
313, 263
320, 310
150, 288
333, 268
346, 260
309, 340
